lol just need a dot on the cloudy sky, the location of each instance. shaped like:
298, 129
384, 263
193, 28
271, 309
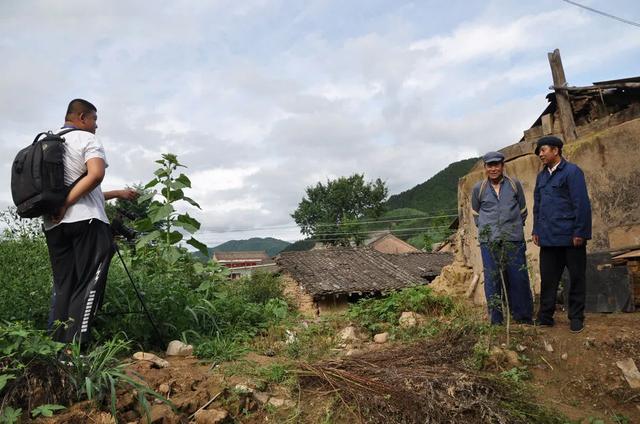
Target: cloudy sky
262, 98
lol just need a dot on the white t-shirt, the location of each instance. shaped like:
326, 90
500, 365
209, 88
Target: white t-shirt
80, 146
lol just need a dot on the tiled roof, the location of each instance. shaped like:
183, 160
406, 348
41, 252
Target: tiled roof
344, 270
421, 264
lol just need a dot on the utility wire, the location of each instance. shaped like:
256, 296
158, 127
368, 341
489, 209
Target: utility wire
608, 15
374, 221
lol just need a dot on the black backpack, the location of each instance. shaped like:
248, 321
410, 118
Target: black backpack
37, 176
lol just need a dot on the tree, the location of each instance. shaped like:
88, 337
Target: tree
330, 213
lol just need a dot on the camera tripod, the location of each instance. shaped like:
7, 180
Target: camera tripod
139, 295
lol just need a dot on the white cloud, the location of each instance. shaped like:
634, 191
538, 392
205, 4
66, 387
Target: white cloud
261, 99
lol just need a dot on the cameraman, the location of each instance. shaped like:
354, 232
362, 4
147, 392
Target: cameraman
78, 235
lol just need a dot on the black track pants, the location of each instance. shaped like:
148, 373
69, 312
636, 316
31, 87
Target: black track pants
553, 261
80, 254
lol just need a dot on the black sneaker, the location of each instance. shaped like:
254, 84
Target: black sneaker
576, 325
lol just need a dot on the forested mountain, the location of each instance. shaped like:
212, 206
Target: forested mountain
438, 193
271, 245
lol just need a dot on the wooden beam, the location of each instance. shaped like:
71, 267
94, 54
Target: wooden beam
567, 123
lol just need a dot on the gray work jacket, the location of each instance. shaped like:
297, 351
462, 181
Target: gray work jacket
499, 217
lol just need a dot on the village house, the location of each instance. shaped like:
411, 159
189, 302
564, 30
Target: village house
387, 242
600, 126
326, 280
245, 263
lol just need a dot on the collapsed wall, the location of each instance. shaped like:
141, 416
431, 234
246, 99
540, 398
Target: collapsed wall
607, 149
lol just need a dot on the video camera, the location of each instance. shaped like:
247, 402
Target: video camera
119, 229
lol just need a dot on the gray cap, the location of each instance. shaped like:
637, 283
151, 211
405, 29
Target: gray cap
493, 157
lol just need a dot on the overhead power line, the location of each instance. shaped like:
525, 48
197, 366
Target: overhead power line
600, 12
373, 221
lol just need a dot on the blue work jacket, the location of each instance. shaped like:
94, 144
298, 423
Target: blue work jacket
561, 206
499, 217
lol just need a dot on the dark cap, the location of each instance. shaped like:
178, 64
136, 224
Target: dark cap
548, 141
493, 157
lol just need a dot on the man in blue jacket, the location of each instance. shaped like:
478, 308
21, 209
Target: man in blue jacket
561, 227
499, 210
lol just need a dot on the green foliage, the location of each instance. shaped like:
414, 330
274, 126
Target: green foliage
25, 272
517, 374
97, 375
46, 410
300, 246
220, 349
270, 245
10, 415
330, 212
374, 313
439, 192
163, 219
20, 345
274, 373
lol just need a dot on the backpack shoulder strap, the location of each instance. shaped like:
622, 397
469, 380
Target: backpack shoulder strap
513, 184
483, 187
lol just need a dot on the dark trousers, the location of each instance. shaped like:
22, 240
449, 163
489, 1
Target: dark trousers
553, 261
511, 255
80, 254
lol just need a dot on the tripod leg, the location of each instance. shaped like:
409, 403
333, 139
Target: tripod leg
135, 288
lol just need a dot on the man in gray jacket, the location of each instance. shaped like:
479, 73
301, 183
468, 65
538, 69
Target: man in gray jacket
499, 210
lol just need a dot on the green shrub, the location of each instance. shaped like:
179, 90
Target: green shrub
25, 280
374, 313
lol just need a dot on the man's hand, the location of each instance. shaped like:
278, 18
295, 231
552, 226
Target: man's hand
124, 194
57, 217
578, 241
128, 194
536, 239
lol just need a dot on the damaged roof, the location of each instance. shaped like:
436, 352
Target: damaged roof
420, 264
347, 270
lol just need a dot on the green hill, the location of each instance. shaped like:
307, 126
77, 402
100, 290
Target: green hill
438, 193
271, 245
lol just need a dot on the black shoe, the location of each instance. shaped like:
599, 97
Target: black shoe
576, 325
543, 323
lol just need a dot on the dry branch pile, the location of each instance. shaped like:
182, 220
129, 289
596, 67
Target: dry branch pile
422, 383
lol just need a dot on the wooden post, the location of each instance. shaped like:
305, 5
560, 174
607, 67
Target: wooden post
562, 97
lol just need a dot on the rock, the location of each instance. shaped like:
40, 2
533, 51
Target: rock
408, 319
512, 358
352, 352
590, 342
164, 388
564, 356
547, 346
521, 348
177, 348
291, 337
150, 357
211, 416
381, 338
630, 372
261, 397
242, 388
348, 334
162, 414
278, 403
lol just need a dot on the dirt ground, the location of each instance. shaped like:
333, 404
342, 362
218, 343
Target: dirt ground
587, 383
578, 378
